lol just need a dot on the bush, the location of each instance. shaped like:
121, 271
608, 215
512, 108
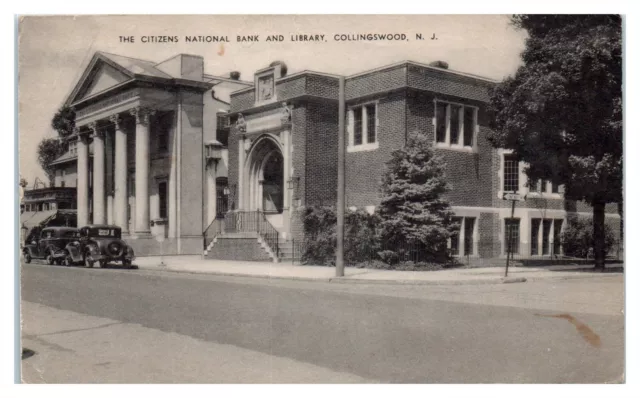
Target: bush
577, 238
320, 236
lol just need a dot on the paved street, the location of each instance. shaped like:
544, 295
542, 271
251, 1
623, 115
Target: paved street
108, 325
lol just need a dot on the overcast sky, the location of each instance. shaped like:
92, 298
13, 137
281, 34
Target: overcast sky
53, 52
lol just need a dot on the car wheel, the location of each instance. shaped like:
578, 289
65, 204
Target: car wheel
126, 263
68, 261
50, 259
88, 262
27, 257
103, 263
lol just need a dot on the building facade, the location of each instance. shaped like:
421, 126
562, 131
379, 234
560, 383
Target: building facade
283, 154
137, 157
227, 166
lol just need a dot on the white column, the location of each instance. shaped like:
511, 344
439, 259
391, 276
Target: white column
211, 191
83, 180
286, 175
461, 238
240, 190
98, 175
173, 180
142, 169
120, 175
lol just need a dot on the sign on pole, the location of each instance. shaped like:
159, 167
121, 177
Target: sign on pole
513, 197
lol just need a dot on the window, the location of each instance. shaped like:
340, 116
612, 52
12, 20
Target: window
555, 188
546, 236
73, 148
456, 124
512, 229
462, 242
163, 138
357, 126
557, 231
363, 127
511, 174
535, 230
546, 228
162, 199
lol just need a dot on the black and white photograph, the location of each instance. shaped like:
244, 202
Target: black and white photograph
321, 199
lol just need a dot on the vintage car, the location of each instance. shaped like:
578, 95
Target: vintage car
49, 244
101, 244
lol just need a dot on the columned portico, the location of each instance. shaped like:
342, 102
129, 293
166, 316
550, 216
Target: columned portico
83, 179
98, 174
120, 175
142, 169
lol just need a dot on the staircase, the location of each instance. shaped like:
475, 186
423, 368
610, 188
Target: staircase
248, 236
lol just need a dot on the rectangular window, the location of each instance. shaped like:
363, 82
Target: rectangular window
469, 224
469, 125
363, 127
441, 122
455, 238
557, 231
163, 138
546, 230
555, 188
535, 230
511, 174
162, 199
357, 126
371, 123
512, 229
454, 124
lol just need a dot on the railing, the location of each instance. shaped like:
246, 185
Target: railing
214, 229
252, 221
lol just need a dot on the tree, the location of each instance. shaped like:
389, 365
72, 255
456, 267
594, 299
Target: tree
562, 111
49, 149
64, 121
413, 210
23, 182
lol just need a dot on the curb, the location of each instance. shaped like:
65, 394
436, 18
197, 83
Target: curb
346, 280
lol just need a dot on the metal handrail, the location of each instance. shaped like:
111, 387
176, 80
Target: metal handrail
214, 229
253, 221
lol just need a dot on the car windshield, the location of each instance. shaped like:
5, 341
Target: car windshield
105, 233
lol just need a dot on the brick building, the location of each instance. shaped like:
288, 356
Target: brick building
283, 146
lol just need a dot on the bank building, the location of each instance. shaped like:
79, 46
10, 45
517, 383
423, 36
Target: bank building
225, 167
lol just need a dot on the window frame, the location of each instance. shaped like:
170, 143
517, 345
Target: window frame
462, 237
365, 145
460, 144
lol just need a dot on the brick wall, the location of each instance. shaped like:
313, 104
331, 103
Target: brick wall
442, 82
377, 82
363, 170
322, 155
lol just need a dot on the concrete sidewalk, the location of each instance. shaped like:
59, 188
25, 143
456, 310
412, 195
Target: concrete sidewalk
462, 276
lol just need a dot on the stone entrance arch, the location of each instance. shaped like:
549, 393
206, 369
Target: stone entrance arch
265, 171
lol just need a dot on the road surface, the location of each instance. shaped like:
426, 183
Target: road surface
133, 326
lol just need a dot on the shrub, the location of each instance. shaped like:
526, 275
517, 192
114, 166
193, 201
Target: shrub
319, 223
577, 238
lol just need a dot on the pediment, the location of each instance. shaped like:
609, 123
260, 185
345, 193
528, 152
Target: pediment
100, 75
104, 77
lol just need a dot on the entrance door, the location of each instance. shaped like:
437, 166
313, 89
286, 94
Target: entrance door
272, 184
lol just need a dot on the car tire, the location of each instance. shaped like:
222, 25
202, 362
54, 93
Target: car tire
87, 262
67, 260
126, 263
49, 258
26, 257
103, 263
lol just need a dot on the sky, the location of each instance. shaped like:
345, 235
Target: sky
53, 51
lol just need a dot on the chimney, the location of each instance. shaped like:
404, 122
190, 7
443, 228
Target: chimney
235, 75
439, 64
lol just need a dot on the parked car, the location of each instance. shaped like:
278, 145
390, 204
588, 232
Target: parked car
99, 243
49, 244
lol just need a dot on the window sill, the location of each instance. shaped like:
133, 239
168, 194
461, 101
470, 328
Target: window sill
363, 147
458, 148
544, 195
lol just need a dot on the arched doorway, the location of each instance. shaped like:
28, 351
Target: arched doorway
266, 177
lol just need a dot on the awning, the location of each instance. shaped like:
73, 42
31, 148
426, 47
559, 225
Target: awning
32, 219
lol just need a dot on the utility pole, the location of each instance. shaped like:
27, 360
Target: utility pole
341, 193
